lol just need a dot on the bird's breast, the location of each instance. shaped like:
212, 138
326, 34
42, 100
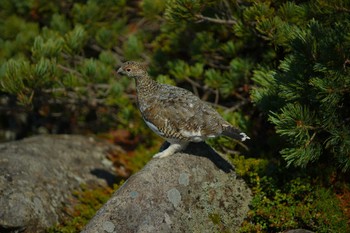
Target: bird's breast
153, 128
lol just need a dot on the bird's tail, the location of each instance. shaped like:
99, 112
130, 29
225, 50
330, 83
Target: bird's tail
234, 133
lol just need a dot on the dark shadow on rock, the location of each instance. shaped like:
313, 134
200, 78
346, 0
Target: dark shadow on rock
110, 178
204, 150
12, 229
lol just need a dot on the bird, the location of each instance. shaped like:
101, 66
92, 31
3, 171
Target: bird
174, 113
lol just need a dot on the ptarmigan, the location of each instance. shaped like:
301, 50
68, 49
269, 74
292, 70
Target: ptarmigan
174, 113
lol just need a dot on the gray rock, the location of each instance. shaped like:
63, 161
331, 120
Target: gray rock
298, 231
194, 191
38, 174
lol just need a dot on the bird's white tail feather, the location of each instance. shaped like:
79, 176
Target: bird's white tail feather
234, 133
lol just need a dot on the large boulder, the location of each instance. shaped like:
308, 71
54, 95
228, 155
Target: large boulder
194, 191
38, 175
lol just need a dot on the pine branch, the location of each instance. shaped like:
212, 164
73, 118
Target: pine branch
202, 18
100, 86
195, 85
340, 9
217, 96
311, 139
69, 70
237, 105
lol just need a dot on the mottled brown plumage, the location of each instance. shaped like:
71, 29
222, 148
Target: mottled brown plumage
175, 113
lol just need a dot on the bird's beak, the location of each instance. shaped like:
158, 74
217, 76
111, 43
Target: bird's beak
120, 71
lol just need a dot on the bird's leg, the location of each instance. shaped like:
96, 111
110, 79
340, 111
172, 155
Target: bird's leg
172, 149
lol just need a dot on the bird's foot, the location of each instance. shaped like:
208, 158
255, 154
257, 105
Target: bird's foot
172, 149
161, 155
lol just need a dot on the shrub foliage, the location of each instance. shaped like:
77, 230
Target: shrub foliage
277, 69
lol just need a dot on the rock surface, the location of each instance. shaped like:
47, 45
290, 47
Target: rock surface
38, 174
194, 191
298, 231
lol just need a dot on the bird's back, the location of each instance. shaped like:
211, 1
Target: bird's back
178, 114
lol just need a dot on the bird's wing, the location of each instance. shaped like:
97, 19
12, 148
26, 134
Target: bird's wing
177, 113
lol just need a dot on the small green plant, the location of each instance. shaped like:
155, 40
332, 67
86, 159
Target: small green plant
283, 201
78, 214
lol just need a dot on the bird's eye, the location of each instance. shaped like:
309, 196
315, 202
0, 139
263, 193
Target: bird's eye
128, 69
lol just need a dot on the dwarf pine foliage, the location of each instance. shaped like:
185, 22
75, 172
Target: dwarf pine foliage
290, 58
296, 54
277, 69
307, 95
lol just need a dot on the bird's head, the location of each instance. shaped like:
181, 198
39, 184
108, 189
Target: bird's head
133, 69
